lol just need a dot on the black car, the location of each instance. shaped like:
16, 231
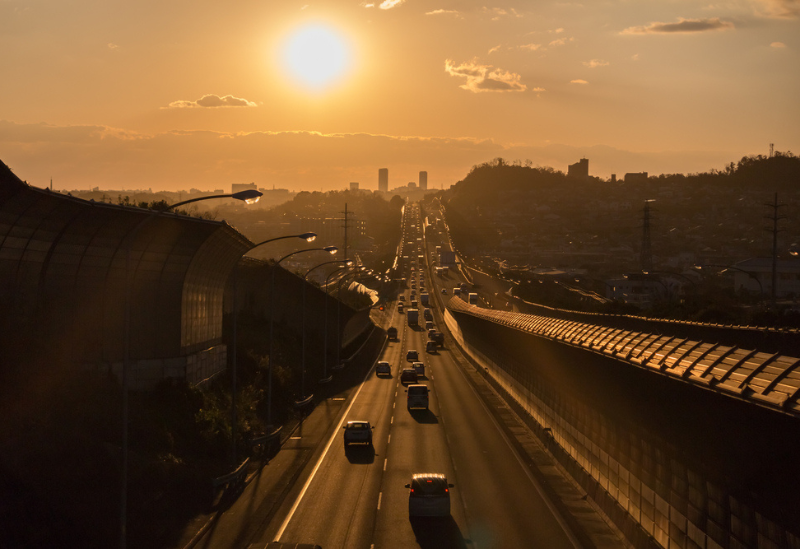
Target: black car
409, 375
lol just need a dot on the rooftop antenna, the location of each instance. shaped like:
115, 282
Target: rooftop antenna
771, 149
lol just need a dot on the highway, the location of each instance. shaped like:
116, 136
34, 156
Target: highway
357, 499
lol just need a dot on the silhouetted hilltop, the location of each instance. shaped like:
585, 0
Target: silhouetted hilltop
542, 216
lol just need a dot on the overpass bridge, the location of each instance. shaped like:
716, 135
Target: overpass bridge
682, 441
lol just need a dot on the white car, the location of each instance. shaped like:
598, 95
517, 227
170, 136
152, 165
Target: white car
429, 495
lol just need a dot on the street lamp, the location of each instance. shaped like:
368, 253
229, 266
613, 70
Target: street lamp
748, 273
325, 376
250, 196
331, 250
346, 262
308, 237
356, 272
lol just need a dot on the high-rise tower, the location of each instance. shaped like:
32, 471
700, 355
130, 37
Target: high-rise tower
423, 181
383, 180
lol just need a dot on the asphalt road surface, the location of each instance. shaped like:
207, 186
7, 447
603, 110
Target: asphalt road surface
357, 499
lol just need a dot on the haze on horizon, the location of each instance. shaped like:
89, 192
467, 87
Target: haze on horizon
314, 95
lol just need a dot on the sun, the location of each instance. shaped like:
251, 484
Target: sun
316, 56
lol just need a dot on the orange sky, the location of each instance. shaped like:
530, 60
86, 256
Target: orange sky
194, 93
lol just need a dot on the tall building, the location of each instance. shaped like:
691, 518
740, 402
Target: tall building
579, 170
354, 185
423, 181
383, 180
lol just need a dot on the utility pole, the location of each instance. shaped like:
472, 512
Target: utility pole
646, 253
775, 230
346, 225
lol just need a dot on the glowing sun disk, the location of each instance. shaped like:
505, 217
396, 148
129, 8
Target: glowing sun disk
316, 56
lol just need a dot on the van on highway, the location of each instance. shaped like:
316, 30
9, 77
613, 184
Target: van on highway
417, 398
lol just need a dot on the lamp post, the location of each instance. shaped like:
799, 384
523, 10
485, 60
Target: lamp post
308, 237
303, 360
748, 273
331, 250
248, 197
338, 316
325, 376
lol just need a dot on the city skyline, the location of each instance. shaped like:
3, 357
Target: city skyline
115, 98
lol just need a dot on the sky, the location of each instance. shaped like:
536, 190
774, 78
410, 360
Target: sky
305, 95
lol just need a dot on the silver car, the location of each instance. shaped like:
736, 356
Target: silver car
429, 495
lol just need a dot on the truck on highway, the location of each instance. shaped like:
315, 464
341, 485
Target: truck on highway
427, 314
392, 332
413, 317
423, 298
473, 298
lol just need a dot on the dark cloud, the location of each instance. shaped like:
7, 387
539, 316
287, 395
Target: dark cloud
682, 26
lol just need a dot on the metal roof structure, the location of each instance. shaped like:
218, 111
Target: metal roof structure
63, 277
771, 380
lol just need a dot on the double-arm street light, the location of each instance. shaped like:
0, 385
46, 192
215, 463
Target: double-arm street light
331, 250
308, 237
249, 196
724, 268
346, 262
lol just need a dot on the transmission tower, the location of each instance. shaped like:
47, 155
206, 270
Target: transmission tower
774, 206
646, 254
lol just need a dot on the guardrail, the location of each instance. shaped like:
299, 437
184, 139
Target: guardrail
233, 481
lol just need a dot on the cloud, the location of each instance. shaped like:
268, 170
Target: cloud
498, 13
558, 30
578, 81
443, 12
483, 78
560, 42
594, 63
682, 26
635, 57
530, 47
389, 4
211, 101
82, 157
112, 46
494, 49
777, 45
778, 8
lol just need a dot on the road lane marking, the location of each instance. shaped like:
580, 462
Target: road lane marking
380, 495
389, 439
296, 504
391, 421
384, 463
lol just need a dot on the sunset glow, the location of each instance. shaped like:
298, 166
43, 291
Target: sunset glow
319, 95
